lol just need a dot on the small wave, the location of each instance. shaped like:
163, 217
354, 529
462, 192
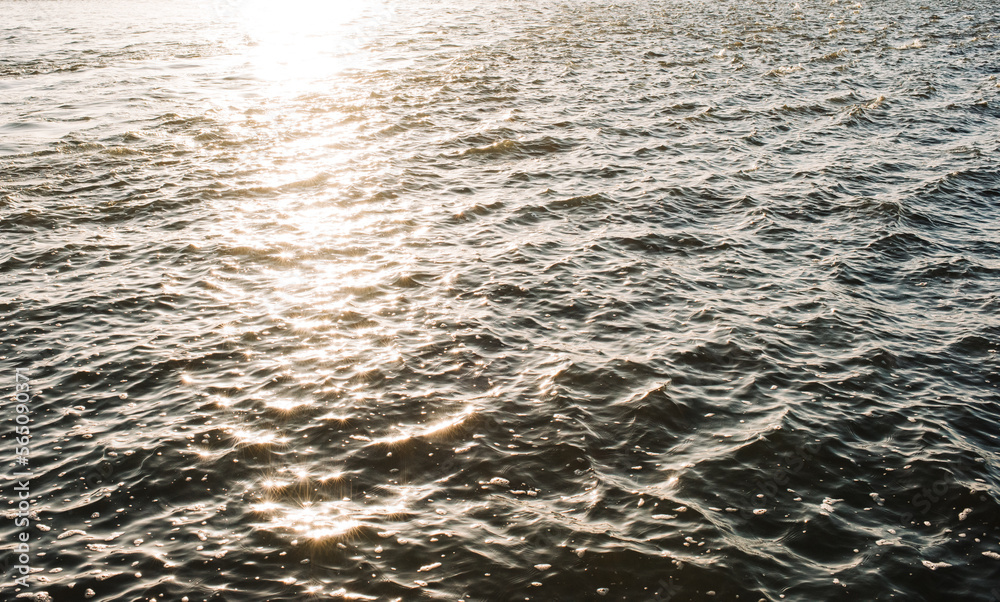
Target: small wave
538, 147
680, 243
833, 56
901, 245
784, 70
916, 43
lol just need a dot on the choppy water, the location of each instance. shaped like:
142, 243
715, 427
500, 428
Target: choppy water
473, 300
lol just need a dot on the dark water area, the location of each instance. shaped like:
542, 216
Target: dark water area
465, 300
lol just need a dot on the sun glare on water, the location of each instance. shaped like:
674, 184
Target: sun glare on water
296, 39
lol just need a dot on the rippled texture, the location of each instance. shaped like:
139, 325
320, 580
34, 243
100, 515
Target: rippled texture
505, 300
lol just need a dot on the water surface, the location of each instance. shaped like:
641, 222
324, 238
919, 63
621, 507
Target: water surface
467, 300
